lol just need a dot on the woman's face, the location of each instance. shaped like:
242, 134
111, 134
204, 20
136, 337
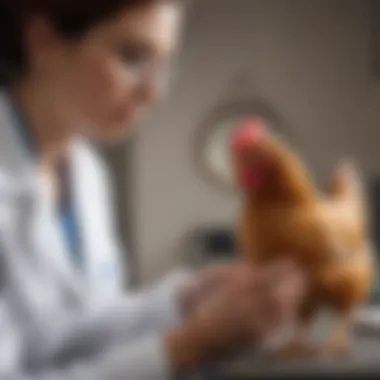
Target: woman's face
106, 79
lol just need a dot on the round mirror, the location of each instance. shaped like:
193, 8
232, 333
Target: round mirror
212, 141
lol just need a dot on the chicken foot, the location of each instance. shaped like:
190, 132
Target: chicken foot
299, 345
338, 344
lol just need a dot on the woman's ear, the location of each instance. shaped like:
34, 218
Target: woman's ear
41, 42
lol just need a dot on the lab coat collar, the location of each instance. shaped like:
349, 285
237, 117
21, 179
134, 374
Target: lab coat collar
14, 156
91, 201
21, 178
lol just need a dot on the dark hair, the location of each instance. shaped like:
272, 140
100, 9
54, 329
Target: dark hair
71, 18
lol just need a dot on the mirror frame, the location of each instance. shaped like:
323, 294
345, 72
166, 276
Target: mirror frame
229, 109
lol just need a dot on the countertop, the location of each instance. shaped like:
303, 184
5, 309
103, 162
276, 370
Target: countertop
364, 360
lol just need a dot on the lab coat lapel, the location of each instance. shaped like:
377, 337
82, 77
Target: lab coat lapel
36, 222
100, 252
14, 157
87, 205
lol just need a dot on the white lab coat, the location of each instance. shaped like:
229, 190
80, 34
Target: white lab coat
56, 323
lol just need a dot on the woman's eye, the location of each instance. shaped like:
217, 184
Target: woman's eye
135, 56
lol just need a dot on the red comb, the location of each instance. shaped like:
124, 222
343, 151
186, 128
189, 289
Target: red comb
247, 132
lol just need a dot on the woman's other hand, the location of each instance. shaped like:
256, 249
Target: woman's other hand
250, 304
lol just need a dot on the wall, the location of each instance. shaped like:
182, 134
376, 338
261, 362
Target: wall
310, 59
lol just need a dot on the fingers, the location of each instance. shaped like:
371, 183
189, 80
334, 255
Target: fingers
281, 289
239, 273
292, 286
261, 298
283, 278
282, 268
223, 275
230, 273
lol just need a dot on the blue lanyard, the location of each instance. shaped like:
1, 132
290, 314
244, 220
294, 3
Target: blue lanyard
66, 213
67, 216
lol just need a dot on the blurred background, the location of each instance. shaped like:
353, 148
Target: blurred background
315, 63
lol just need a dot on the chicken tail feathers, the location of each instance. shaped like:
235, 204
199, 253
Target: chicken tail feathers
347, 185
346, 182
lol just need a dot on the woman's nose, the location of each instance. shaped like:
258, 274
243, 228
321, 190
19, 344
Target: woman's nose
149, 91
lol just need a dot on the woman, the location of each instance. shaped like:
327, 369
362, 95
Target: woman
76, 70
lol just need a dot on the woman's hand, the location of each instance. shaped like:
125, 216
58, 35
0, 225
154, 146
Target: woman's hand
207, 281
249, 305
214, 278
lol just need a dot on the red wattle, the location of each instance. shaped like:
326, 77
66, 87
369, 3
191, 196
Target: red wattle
249, 181
246, 133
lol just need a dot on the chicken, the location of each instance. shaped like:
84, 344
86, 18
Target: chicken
324, 232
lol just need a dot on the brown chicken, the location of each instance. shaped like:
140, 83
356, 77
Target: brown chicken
326, 233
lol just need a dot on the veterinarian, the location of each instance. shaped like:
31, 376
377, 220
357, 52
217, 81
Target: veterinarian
71, 72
